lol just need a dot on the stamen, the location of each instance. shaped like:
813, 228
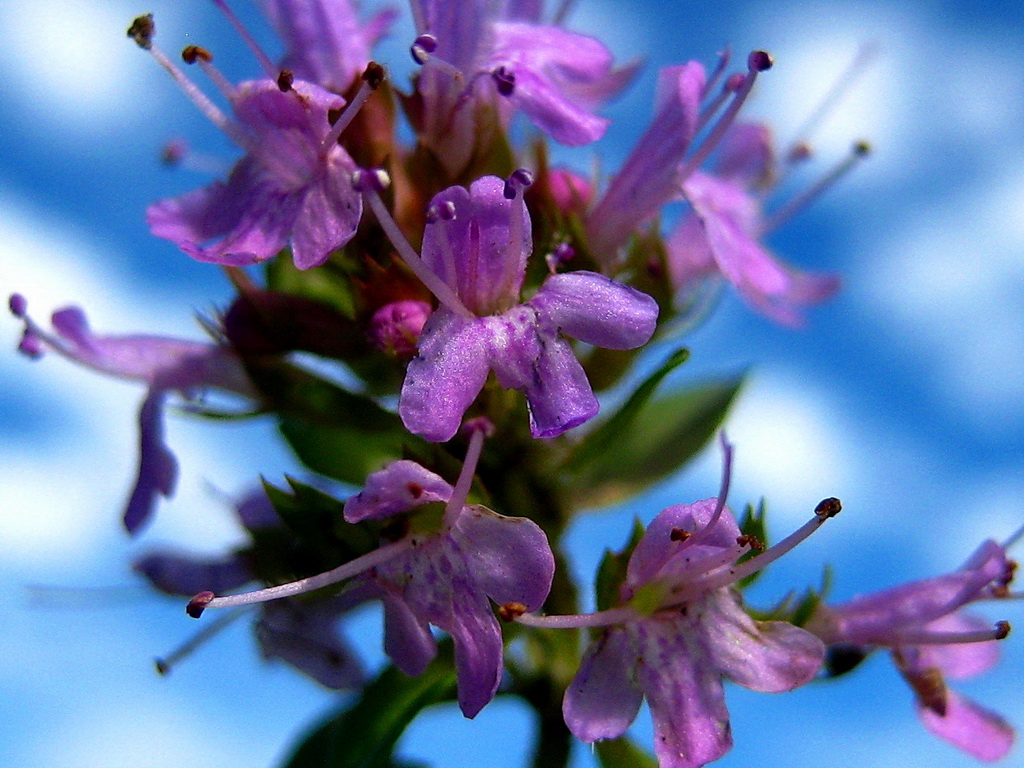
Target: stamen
757, 62
186, 649
608, 618
422, 51
1014, 537
510, 611
723, 492
826, 509
261, 57
479, 429
382, 554
1000, 631
18, 305
371, 183
712, 82
854, 70
285, 80
193, 54
515, 185
860, 150
142, 32
505, 80
563, 12
372, 77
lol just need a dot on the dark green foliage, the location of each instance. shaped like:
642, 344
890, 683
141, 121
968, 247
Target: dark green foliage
611, 573
623, 753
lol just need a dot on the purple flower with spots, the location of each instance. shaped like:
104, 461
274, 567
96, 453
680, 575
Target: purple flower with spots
679, 631
447, 573
163, 364
722, 235
500, 56
325, 41
477, 242
931, 638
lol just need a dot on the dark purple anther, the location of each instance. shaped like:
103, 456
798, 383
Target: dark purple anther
375, 180
422, 47
759, 61
518, 181
561, 256
443, 212
734, 82
18, 305
505, 79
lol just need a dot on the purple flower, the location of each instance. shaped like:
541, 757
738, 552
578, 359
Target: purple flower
447, 574
679, 631
294, 184
325, 42
477, 243
722, 234
304, 634
481, 54
932, 638
163, 364
289, 189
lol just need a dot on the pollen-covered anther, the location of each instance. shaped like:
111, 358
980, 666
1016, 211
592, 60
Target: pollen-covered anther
505, 80
511, 611
285, 80
198, 604
162, 667
374, 75
829, 507
931, 690
478, 424
415, 490
142, 30
678, 534
1002, 630
862, 148
190, 54
753, 542
372, 180
422, 47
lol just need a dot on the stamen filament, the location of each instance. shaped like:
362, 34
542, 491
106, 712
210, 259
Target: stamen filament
412, 259
261, 56
563, 12
225, 86
723, 61
345, 571
1014, 538
757, 62
999, 632
351, 110
212, 112
723, 578
723, 492
860, 150
607, 618
186, 649
453, 508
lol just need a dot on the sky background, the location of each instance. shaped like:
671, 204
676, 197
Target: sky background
904, 396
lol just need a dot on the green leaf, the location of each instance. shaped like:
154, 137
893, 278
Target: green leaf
604, 436
662, 437
623, 753
364, 735
330, 282
611, 573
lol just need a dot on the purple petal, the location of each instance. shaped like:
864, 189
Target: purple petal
184, 575
597, 310
478, 647
747, 154
977, 731
443, 380
472, 253
399, 487
509, 557
158, 469
684, 692
603, 699
329, 215
407, 639
765, 656
658, 547
72, 324
244, 221
462, 29
306, 636
647, 179
688, 256
543, 367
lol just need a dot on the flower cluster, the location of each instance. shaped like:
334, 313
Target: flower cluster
478, 301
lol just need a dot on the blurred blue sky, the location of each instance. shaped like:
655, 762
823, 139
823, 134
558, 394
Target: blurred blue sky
904, 396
